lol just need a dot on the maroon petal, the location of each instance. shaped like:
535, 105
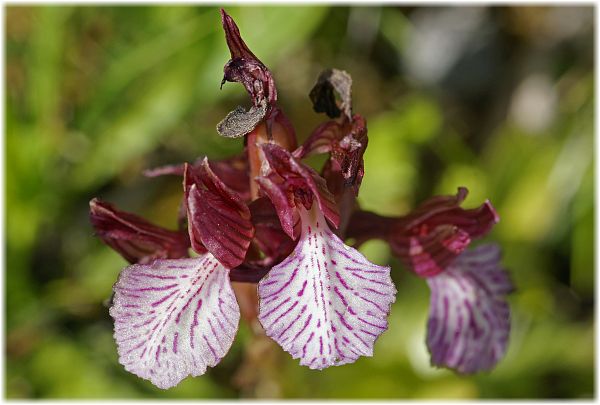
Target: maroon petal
429, 254
346, 142
269, 235
347, 153
284, 206
235, 43
289, 185
191, 178
445, 210
432, 236
426, 254
167, 170
321, 140
244, 67
232, 171
345, 168
345, 139
134, 238
217, 216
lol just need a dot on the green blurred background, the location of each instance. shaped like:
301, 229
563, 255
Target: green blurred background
496, 99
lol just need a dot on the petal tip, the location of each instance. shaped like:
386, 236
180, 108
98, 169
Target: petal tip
490, 208
461, 194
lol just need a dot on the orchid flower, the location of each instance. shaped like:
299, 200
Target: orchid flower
469, 320
326, 303
265, 217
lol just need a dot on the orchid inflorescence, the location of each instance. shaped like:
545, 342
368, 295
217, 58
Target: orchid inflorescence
265, 217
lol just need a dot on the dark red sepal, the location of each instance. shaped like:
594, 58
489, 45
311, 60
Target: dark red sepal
269, 235
245, 68
428, 239
441, 210
217, 217
232, 171
290, 185
248, 273
133, 237
346, 142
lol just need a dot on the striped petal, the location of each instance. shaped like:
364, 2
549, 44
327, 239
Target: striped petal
433, 235
429, 254
346, 143
134, 238
269, 235
291, 185
245, 68
218, 219
469, 319
326, 304
174, 318
233, 172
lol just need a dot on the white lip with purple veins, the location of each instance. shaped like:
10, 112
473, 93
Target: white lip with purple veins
174, 318
326, 304
469, 318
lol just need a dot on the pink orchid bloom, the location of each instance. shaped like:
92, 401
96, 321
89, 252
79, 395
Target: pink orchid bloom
267, 218
469, 319
325, 304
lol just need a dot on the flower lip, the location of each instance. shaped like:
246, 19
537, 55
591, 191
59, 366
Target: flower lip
469, 318
174, 318
325, 304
